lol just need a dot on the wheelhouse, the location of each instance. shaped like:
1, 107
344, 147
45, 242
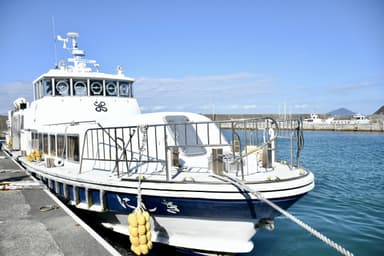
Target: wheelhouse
82, 86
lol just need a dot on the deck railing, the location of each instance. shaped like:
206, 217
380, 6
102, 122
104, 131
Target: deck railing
123, 150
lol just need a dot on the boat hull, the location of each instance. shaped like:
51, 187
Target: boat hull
219, 224
210, 225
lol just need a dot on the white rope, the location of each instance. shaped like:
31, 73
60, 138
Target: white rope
311, 230
142, 148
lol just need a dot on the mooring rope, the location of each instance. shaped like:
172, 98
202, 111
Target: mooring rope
311, 230
142, 147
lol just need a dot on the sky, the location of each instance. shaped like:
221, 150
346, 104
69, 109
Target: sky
207, 56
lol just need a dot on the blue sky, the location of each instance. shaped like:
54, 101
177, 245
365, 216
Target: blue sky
209, 56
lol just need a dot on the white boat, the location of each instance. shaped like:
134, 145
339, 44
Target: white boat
359, 119
102, 155
314, 118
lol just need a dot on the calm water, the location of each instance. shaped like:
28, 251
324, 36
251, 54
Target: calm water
347, 204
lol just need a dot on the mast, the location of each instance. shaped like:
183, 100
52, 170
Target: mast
78, 60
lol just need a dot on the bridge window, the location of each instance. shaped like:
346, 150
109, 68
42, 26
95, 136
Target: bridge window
96, 88
111, 88
62, 87
47, 87
36, 91
125, 89
80, 88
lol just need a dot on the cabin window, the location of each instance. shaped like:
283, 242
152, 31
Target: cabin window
52, 144
41, 89
61, 146
73, 147
45, 143
111, 88
37, 91
80, 88
96, 88
62, 87
125, 89
185, 135
40, 141
22, 122
35, 140
47, 87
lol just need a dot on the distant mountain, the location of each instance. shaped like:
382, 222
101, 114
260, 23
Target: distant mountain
341, 112
380, 111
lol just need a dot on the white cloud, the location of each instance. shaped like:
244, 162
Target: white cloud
253, 106
238, 91
356, 86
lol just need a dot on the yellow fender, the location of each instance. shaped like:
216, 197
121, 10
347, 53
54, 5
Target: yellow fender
139, 228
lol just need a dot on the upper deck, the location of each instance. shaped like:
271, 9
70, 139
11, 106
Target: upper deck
76, 91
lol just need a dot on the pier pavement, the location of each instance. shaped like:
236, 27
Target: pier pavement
33, 223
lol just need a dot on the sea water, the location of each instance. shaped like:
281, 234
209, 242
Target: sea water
346, 205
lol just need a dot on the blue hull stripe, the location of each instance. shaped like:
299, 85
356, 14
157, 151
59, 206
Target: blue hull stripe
202, 208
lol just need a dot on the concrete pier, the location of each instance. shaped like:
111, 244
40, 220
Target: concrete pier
33, 223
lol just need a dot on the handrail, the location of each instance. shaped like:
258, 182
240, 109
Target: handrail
184, 135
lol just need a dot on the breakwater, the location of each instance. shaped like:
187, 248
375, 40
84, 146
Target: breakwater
376, 123
356, 127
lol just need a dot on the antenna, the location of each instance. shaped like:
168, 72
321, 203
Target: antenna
54, 42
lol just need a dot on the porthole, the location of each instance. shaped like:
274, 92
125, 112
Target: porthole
111, 88
80, 88
96, 88
62, 87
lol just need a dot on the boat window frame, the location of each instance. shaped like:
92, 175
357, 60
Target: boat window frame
61, 80
129, 93
116, 85
52, 144
45, 143
76, 148
40, 135
123, 88
36, 90
35, 140
101, 82
80, 80
60, 138
44, 86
